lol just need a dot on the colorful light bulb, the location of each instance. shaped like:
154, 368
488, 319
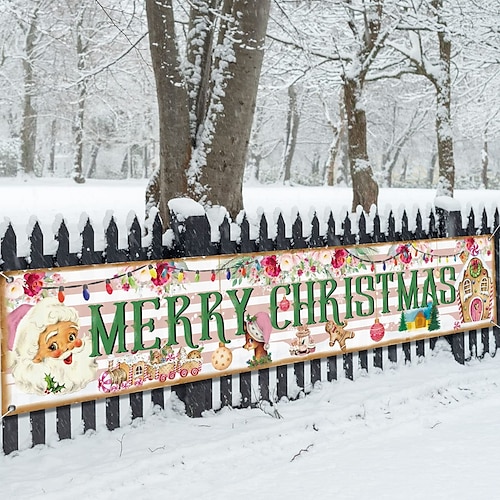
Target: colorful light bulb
60, 294
152, 271
109, 288
131, 280
85, 292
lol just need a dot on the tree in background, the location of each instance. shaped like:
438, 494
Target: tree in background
206, 98
428, 49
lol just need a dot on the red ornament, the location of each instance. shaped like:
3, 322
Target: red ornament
284, 304
377, 331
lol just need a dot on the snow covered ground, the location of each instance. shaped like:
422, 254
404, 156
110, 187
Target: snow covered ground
430, 429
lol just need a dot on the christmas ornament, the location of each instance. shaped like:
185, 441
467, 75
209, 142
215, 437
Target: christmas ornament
284, 304
377, 331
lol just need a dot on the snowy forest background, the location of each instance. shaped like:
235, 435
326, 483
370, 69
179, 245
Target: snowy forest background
77, 91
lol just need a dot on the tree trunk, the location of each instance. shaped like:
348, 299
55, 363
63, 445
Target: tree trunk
222, 176
444, 132
173, 108
78, 176
52, 153
364, 186
484, 162
29, 120
94, 151
291, 131
80, 112
200, 46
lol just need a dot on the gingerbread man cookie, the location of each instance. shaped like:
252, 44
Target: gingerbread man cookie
338, 334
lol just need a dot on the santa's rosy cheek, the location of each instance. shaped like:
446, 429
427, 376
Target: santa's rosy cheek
78, 343
56, 353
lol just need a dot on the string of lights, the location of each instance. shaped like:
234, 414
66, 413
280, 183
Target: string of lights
238, 266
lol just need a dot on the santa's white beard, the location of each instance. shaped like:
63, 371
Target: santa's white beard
31, 377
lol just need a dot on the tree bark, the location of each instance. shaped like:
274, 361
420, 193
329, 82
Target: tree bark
202, 23
29, 119
173, 108
484, 162
364, 186
222, 176
78, 123
444, 132
291, 132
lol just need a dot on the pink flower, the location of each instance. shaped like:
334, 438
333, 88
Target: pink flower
271, 266
33, 283
287, 261
323, 256
57, 278
338, 259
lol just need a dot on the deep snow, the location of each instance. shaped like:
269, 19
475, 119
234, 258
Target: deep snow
429, 429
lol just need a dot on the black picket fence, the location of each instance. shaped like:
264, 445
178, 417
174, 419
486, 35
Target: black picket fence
193, 236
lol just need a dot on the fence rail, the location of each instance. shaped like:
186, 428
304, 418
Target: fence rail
194, 236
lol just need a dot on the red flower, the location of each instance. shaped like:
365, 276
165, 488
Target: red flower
33, 283
162, 274
338, 259
404, 254
271, 266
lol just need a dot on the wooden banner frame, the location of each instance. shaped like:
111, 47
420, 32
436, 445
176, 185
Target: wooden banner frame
82, 333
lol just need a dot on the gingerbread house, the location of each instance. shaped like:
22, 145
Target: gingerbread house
475, 292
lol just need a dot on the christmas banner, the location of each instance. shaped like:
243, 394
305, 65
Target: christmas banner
81, 333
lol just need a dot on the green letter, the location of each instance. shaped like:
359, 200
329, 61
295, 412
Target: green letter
348, 298
139, 325
407, 296
384, 278
207, 313
98, 330
359, 304
274, 307
451, 286
175, 318
239, 307
297, 304
326, 298
429, 283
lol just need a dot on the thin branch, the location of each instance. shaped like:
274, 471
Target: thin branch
303, 450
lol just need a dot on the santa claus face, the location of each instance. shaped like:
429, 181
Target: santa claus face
58, 341
49, 356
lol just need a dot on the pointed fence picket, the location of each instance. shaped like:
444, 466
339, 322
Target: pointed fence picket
192, 236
